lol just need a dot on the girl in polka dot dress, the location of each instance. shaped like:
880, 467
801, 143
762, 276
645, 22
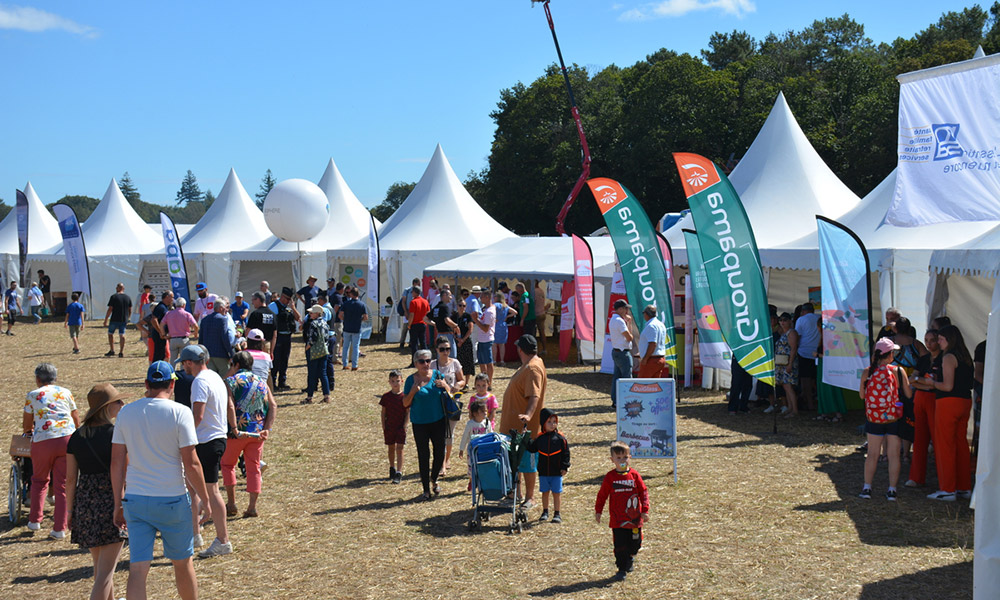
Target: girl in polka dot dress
880, 385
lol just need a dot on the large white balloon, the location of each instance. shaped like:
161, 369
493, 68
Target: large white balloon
295, 210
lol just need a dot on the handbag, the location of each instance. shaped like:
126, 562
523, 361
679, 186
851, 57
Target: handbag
781, 360
451, 405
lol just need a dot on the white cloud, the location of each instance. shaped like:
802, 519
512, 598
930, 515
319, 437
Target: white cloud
32, 20
678, 8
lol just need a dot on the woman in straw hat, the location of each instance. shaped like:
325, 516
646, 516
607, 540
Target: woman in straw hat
89, 499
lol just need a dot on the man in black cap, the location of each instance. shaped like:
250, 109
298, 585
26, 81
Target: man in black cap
620, 330
523, 400
285, 318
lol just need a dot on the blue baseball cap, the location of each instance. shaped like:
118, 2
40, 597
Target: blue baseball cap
159, 372
201, 286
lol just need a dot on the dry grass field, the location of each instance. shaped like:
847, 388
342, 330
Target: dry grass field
756, 514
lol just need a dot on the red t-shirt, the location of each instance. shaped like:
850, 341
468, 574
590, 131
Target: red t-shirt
629, 499
395, 412
419, 307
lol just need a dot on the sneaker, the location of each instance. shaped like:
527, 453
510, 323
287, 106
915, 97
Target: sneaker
198, 541
392, 473
398, 478
620, 575
217, 549
528, 504
911, 483
768, 410
76, 350
108, 353
942, 495
121, 355
963, 494
556, 518
263, 467
784, 410
545, 516
890, 495
866, 493
57, 535
34, 526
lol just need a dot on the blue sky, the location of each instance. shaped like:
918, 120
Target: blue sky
94, 89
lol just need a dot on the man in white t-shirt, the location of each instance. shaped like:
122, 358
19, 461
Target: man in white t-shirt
205, 304
619, 327
486, 333
213, 415
153, 446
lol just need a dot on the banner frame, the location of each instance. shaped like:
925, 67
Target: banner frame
868, 269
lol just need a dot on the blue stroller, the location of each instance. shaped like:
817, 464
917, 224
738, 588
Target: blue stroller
493, 480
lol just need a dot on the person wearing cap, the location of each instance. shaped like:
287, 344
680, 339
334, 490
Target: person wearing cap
205, 304
214, 416
619, 327
89, 500
240, 310
215, 334
152, 448
180, 327
285, 319
352, 312
261, 360
50, 418
255, 411
317, 351
418, 309
882, 384
262, 319
119, 311
652, 344
485, 333
523, 400
307, 294
322, 300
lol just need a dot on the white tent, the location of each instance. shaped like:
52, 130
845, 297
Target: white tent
544, 258
43, 233
438, 221
900, 255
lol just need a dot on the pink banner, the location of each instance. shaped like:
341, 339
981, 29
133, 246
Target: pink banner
583, 272
668, 262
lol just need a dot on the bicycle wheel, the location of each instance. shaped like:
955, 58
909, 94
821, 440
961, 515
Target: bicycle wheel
15, 497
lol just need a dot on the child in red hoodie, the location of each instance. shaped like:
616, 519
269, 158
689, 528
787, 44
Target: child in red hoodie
629, 508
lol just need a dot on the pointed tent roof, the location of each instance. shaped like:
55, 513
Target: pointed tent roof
114, 228
884, 242
43, 229
440, 197
783, 184
233, 222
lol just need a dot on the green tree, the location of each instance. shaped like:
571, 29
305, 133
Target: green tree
209, 199
727, 48
266, 184
189, 191
394, 198
83, 206
4, 209
128, 189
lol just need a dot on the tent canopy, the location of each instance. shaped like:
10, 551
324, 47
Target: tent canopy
233, 222
43, 229
115, 229
544, 258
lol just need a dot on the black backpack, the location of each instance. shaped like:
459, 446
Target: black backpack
401, 307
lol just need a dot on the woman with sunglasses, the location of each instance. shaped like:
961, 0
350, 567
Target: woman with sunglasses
464, 341
430, 426
451, 371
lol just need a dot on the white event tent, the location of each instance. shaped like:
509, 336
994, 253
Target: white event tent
43, 233
783, 184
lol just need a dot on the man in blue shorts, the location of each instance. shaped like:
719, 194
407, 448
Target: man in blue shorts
153, 446
119, 310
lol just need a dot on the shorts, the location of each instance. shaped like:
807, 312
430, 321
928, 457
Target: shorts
74, 331
550, 483
118, 326
170, 515
394, 435
807, 367
529, 463
11, 315
484, 353
882, 428
210, 454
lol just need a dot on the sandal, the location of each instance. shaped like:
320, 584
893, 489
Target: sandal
249, 514
231, 510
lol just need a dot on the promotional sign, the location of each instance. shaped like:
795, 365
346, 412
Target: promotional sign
21, 208
712, 348
846, 301
638, 253
729, 253
175, 258
356, 276
583, 281
647, 418
76, 252
948, 166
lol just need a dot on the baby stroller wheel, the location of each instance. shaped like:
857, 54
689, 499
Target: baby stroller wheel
15, 495
473, 525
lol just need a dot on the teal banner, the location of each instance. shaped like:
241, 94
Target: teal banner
712, 348
732, 263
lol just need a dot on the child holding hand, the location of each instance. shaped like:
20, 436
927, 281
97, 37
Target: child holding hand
629, 508
553, 462
394, 416
477, 424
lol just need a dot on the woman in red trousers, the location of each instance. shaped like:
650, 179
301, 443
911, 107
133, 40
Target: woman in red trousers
951, 417
924, 398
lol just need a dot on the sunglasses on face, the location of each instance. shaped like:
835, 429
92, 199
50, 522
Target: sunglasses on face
444, 348
423, 361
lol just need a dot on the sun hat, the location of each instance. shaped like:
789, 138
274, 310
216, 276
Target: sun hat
256, 335
161, 371
476, 289
98, 397
316, 309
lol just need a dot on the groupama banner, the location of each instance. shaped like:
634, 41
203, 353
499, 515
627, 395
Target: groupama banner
638, 252
729, 253
712, 349
175, 258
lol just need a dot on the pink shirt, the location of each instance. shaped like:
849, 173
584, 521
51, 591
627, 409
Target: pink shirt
178, 323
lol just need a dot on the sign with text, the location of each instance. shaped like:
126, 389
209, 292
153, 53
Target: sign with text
647, 417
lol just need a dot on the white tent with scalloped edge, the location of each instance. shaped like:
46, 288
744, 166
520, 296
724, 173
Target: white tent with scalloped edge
43, 233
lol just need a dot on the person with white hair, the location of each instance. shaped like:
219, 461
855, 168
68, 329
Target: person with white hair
180, 326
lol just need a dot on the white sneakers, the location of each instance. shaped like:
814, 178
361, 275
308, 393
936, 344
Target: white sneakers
57, 535
34, 526
198, 540
217, 549
942, 496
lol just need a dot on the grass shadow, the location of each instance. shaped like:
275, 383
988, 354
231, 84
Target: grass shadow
956, 578
582, 586
350, 485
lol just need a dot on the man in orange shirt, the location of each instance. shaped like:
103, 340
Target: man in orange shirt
419, 307
523, 399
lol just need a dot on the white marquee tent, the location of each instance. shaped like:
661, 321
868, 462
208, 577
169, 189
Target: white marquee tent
43, 233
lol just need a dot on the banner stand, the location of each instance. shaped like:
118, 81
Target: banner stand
647, 418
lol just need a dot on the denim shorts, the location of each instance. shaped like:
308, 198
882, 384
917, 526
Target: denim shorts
170, 515
529, 463
550, 483
484, 352
118, 326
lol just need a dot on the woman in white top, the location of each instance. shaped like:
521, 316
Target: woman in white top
451, 371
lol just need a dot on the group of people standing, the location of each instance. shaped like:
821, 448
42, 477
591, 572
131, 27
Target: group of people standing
643, 356
38, 297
